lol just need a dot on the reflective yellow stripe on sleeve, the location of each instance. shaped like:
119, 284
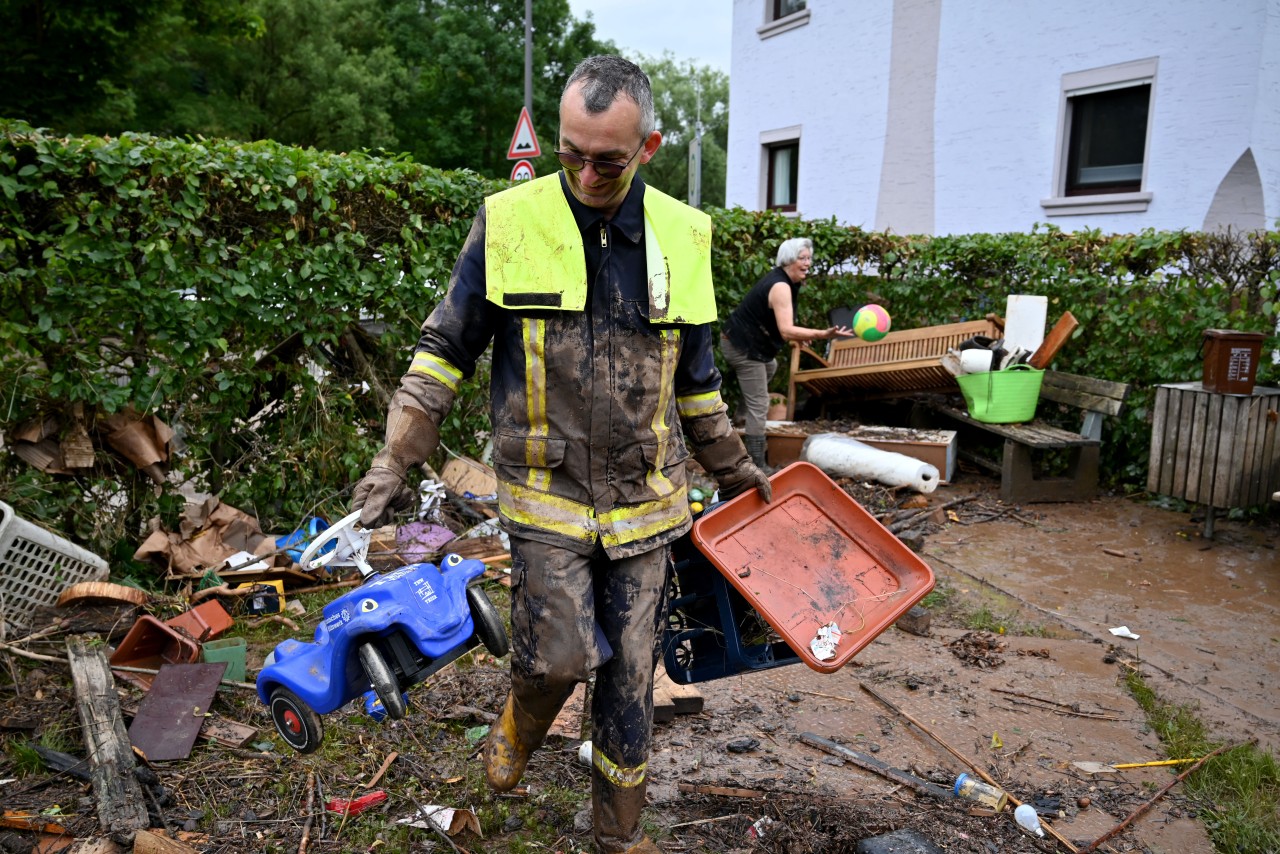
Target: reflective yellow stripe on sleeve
437, 369
695, 405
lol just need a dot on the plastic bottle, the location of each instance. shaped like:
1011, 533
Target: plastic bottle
976, 790
1027, 819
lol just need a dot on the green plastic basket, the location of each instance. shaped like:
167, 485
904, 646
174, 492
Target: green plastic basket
1002, 397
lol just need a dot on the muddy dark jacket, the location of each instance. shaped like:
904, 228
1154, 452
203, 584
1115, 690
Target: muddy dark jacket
587, 406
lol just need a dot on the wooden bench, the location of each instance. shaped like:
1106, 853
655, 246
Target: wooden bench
1018, 481
901, 362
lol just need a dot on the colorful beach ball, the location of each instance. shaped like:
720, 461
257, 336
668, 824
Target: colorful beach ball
871, 323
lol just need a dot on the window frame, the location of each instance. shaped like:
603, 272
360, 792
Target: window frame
773, 25
1076, 84
770, 142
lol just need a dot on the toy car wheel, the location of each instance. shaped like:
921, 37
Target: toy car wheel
297, 723
383, 681
489, 626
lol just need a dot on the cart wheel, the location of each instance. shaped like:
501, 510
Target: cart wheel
383, 681
297, 723
489, 626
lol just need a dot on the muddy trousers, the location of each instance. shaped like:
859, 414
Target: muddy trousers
558, 600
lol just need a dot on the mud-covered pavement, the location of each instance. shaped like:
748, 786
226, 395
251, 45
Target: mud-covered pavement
1023, 706
1208, 618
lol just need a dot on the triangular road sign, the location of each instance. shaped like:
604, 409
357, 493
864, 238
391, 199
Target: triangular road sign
524, 143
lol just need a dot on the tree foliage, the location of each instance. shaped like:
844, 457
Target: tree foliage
688, 98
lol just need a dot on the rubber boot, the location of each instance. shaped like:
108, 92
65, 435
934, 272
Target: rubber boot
512, 739
615, 812
757, 449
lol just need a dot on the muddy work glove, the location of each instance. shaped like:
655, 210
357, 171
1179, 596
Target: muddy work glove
411, 439
727, 461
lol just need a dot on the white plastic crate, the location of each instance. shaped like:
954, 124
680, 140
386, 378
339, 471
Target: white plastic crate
36, 566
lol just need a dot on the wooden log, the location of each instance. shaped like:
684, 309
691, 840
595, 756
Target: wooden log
1053, 342
122, 808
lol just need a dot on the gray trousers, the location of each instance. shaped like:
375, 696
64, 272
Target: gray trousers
753, 379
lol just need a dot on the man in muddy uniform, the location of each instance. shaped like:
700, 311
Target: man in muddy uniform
596, 292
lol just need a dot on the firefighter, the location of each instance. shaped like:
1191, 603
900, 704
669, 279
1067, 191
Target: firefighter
595, 292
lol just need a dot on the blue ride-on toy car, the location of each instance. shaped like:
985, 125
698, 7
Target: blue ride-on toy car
388, 634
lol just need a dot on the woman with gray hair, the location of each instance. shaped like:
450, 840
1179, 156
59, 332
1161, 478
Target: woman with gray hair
757, 329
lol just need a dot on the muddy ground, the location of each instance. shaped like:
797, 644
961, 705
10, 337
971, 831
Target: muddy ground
1022, 706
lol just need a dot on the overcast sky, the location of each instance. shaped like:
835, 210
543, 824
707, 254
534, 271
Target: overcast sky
691, 29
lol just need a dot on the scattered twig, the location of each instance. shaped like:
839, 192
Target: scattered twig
710, 820
35, 656
386, 763
904, 524
249, 686
968, 763
720, 791
1056, 708
1120, 554
1092, 846
272, 618
422, 811
310, 809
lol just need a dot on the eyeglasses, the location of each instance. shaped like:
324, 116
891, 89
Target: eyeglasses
606, 169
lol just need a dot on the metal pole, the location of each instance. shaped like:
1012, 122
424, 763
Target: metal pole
528, 56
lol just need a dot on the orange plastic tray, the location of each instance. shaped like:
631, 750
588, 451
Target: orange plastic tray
812, 557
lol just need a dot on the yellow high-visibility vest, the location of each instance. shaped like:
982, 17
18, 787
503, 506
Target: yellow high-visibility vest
534, 258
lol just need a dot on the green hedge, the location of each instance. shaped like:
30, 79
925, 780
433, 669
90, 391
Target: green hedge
263, 300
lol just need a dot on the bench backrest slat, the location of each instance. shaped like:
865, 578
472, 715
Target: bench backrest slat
1088, 393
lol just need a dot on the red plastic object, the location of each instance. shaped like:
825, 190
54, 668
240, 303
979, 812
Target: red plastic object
359, 805
812, 557
151, 643
203, 622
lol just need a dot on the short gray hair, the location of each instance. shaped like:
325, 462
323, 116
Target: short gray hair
789, 251
604, 77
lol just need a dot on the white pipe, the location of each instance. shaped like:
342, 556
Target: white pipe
841, 456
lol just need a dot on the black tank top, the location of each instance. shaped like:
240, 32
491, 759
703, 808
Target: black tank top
752, 326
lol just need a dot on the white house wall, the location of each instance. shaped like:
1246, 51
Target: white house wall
997, 89
805, 77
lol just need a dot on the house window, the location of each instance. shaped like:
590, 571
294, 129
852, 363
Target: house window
784, 172
783, 8
1108, 138
1104, 132
782, 15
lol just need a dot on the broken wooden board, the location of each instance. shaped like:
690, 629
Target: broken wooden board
461, 476
122, 808
174, 710
670, 699
216, 729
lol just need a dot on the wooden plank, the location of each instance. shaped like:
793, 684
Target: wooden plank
1250, 455
684, 699
1053, 342
1173, 404
1209, 447
1228, 465
1195, 446
121, 807
1086, 385
1186, 417
1156, 457
1271, 447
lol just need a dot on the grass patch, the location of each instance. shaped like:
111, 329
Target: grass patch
1237, 793
980, 608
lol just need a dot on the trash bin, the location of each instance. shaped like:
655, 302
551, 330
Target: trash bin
1231, 360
